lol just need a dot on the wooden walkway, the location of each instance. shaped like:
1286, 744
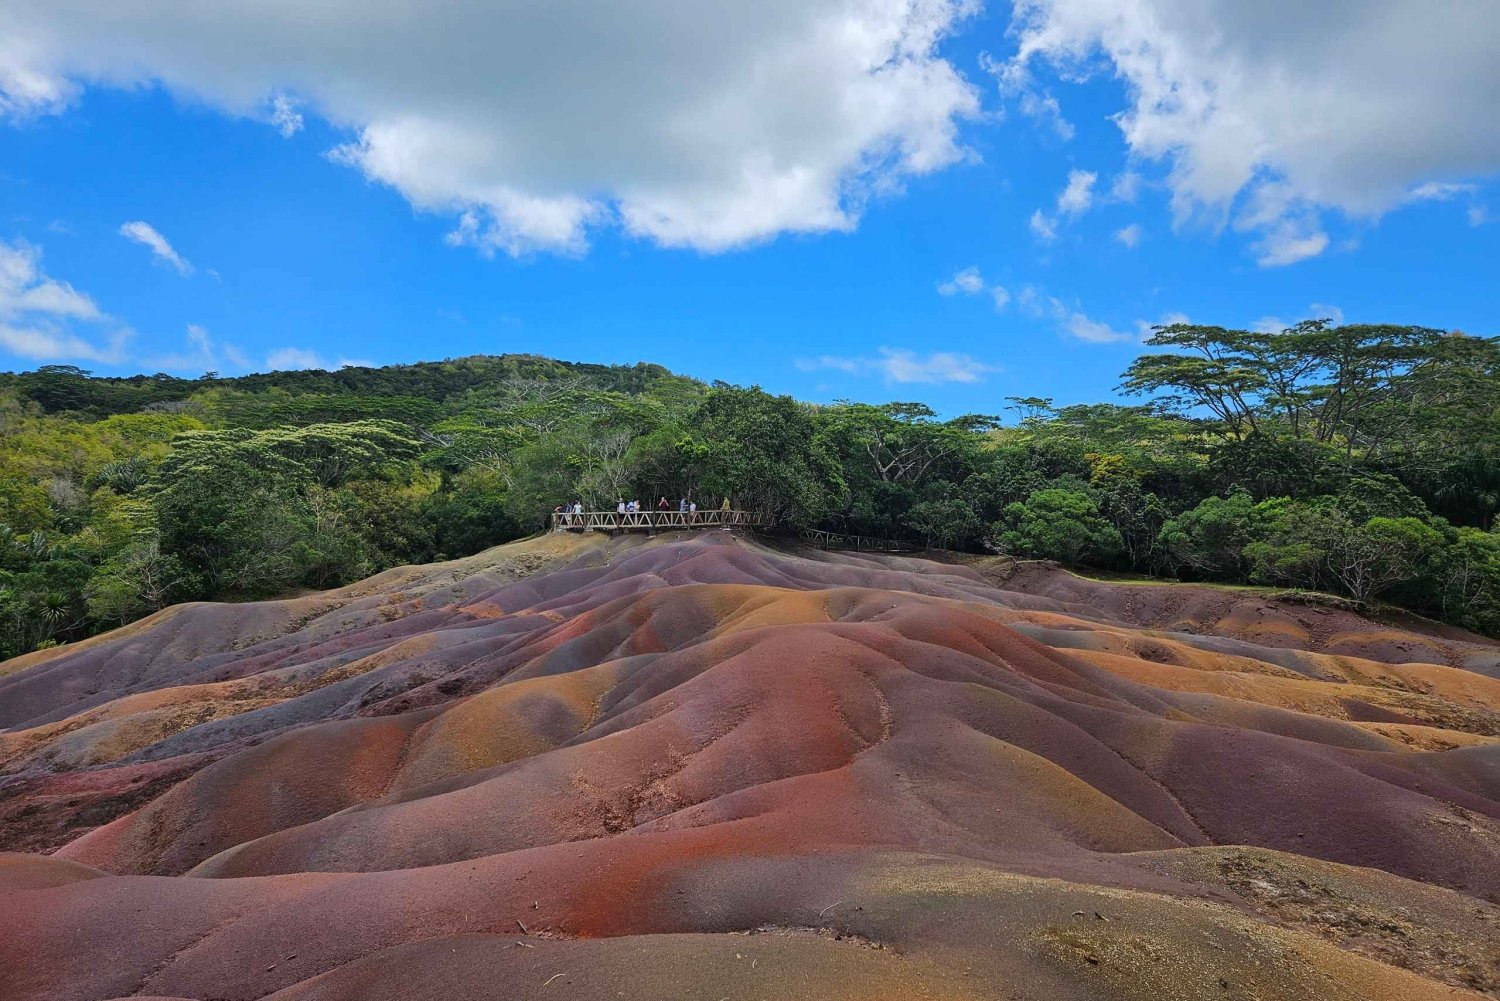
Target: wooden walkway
859, 543
677, 521
656, 521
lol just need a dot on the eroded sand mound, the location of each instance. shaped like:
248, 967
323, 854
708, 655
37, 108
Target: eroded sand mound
707, 768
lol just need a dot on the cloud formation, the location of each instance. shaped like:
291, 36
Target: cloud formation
1074, 199
969, 281
1070, 321
1316, 311
1476, 212
146, 235
204, 353
40, 316
710, 126
1043, 226
292, 358
285, 116
1272, 114
900, 365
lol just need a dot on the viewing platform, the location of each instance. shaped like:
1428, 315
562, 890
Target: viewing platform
656, 521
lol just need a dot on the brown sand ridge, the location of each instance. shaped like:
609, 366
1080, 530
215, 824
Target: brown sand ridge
709, 768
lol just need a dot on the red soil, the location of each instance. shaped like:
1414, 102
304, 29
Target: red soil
705, 768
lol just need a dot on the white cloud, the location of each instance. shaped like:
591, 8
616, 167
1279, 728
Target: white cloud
899, 365
1076, 198
1069, 319
290, 359
1044, 107
146, 235
1288, 244
708, 125
26, 289
1145, 329
1034, 103
1042, 226
49, 343
204, 354
1130, 235
1323, 311
967, 281
1093, 331
1316, 311
285, 116
1126, 187
1441, 191
1237, 96
1288, 229
1477, 213
39, 314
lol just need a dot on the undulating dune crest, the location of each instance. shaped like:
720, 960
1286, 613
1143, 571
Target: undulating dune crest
716, 767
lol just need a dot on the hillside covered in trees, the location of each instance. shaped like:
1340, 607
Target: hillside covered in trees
1358, 460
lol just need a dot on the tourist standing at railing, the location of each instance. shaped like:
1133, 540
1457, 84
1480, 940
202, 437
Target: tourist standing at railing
693, 512
682, 506
620, 506
724, 506
664, 505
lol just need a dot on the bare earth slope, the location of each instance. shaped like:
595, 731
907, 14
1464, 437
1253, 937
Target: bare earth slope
708, 768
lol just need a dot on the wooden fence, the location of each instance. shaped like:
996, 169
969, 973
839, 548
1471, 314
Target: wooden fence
655, 521
860, 543
670, 521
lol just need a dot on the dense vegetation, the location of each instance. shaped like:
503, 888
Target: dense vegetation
1359, 460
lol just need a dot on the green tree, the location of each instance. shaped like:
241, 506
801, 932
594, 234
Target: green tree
1210, 539
136, 581
1062, 525
765, 452
1318, 544
944, 518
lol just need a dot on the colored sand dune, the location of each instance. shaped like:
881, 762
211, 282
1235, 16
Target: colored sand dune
712, 768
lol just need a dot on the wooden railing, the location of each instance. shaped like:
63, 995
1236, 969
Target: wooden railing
669, 521
861, 543
653, 521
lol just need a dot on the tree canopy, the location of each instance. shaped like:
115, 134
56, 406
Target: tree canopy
1358, 459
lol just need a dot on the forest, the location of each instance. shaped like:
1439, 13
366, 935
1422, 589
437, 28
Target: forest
1358, 461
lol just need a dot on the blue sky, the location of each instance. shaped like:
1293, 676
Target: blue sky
967, 204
